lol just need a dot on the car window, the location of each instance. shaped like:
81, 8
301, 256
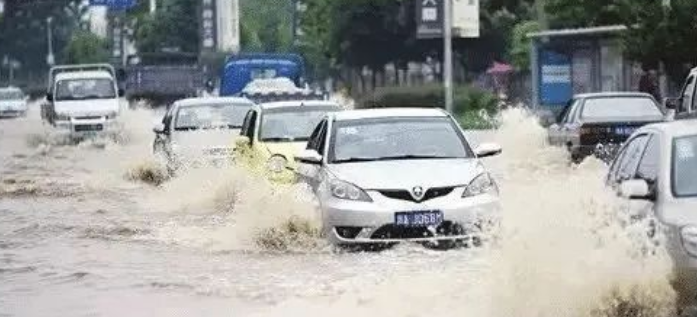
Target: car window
630, 160
648, 167
323, 138
573, 113
561, 118
687, 94
252, 125
314, 142
397, 138
684, 166
620, 107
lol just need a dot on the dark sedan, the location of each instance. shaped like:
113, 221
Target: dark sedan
598, 123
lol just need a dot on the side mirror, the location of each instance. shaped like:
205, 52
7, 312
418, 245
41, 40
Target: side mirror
309, 157
121, 92
242, 141
635, 189
49, 96
159, 128
672, 103
488, 149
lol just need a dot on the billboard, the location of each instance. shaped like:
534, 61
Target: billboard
466, 18
208, 26
114, 4
429, 19
555, 78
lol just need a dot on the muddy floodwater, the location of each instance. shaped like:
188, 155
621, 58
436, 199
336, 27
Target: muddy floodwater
82, 235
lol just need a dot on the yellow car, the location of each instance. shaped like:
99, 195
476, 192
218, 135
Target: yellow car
273, 133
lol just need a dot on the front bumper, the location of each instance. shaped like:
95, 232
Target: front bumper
12, 111
352, 222
87, 127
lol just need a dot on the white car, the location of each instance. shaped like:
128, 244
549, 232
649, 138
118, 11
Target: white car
13, 102
657, 170
198, 131
384, 176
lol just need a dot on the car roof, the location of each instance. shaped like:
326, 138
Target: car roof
85, 74
673, 129
612, 94
297, 103
388, 113
10, 89
209, 100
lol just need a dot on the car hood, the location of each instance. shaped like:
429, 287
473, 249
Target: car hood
91, 107
205, 139
405, 174
287, 149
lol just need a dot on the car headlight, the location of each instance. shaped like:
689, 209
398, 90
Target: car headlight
348, 191
482, 184
276, 164
688, 235
111, 115
62, 117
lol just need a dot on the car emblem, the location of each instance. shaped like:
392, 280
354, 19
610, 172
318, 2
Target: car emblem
418, 193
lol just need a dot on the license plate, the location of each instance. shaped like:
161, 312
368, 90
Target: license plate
624, 130
418, 218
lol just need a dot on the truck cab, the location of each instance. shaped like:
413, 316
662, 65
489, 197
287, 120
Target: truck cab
685, 105
242, 69
82, 99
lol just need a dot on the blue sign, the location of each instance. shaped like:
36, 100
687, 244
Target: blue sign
556, 87
114, 4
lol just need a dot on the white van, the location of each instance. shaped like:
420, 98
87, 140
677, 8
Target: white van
83, 99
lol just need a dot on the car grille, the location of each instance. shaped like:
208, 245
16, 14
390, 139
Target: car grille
88, 127
391, 231
406, 195
88, 118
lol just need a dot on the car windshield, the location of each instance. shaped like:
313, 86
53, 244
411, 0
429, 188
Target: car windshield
620, 107
291, 123
80, 89
397, 138
11, 95
211, 116
685, 166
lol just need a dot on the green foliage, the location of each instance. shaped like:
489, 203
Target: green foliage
465, 98
173, 26
86, 47
575, 13
519, 50
266, 25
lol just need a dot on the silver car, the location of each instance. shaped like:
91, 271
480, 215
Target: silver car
657, 170
13, 102
384, 176
200, 131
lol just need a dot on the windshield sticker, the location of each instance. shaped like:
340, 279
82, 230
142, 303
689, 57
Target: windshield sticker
684, 149
350, 130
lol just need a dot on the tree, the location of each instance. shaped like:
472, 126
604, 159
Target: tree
173, 26
267, 25
519, 50
86, 47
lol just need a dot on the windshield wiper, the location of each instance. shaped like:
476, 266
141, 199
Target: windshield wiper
392, 158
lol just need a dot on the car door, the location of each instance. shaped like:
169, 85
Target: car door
569, 131
625, 165
648, 170
555, 131
310, 173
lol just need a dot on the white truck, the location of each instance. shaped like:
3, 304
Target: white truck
82, 100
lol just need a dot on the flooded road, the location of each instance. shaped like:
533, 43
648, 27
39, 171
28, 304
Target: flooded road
78, 238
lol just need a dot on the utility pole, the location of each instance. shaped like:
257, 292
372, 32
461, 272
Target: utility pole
50, 58
448, 54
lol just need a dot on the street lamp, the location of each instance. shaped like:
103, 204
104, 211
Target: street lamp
50, 58
448, 54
